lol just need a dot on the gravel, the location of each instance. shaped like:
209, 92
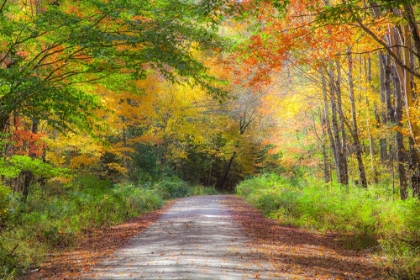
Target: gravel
196, 238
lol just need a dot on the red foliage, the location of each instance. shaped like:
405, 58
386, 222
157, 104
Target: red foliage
25, 142
295, 38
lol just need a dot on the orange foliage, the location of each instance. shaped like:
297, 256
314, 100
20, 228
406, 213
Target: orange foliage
293, 39
25, 142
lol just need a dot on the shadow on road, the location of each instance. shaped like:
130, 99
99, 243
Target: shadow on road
196, 238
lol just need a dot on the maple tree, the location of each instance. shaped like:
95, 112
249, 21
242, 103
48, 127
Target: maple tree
328, 42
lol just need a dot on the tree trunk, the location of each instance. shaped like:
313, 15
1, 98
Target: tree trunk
338, 144
400, 87
409, 94
327, 120
325, 157
368, 122
343, 146
406, 78
28, 175
414, 168
222, 182
209, 178
385, 92
412, 26
399, 141
124, 140
4, 119
355, 132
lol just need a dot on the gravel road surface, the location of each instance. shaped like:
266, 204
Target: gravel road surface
196, 238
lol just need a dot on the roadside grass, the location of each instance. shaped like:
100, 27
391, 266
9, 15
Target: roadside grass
372, 219
56, 215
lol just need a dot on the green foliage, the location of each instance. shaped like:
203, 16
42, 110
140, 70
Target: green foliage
49, 56
400, 238
202, 190
9, 263
367, 218
143, 200
145, 164
174, 187
12, 167
4, 204
55, 214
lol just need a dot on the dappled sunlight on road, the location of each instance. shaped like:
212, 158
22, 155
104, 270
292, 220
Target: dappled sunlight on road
195, 239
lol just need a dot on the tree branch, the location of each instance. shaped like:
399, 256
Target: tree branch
387, 48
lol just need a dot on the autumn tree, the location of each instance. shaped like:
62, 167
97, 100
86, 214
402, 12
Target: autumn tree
57, 56
397, 37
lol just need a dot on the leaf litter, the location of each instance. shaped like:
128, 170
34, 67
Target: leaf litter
297, 253
93, 246
300, 253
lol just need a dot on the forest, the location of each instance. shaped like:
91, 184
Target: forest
309, 109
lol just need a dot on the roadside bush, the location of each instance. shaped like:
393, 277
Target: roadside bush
142, 200
317, 205
368, 218
400, 238
9, 262
4, 204
19, 250
55, 214
52, 218
172, 188
201, 190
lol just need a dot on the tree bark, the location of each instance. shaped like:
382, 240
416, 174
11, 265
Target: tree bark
399, 140
414, 168
222, 182
414, 30
326, 120
339, 142
28, 175
355, 132
408, 90
399, 87
368, 125
325, 157
386, 95
4, 119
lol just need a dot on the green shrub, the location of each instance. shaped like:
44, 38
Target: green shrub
50, 219
54, 214
142, 200
9, 263
172, 188
18, 251
367, 217
399, 237
316, 205
4, 204
201, 190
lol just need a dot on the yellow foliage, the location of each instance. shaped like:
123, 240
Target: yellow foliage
82, 161
117, 167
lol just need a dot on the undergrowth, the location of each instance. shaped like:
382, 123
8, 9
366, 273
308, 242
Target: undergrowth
369, 218
56, 214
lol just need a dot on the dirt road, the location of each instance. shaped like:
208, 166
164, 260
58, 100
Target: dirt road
197, 238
